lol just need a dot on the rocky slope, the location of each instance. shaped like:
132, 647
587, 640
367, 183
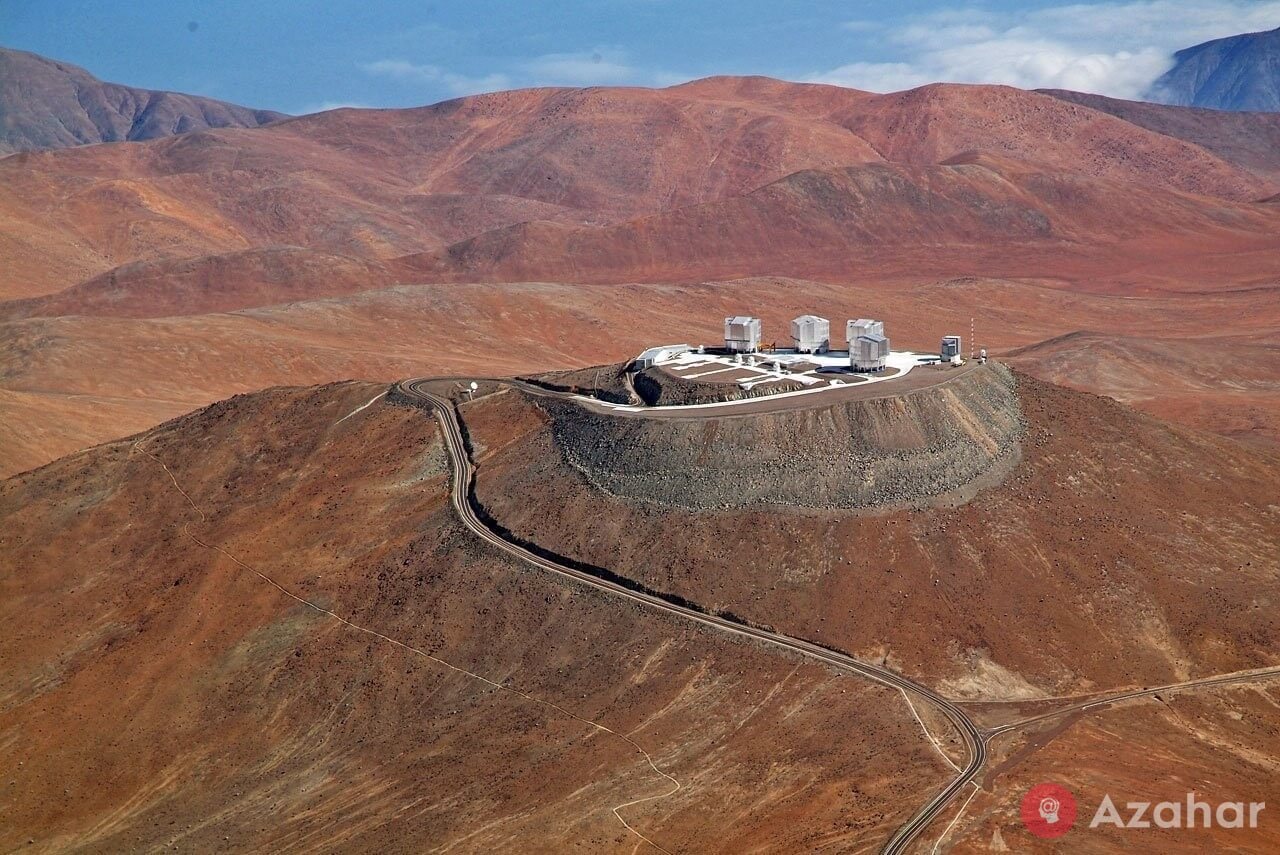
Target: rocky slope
606, 382
1248, 139
46, 104
1120, 553
1177, 378
1236, 73
165, 687
70, 382
392, 182
1132, 552
659, 388
208, 283
965, 212
868, 454
1223, 740
148, 278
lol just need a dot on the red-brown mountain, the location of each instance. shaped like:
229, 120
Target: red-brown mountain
957, 215
208, 283
384, 183
158, 694
171, 250
1250, 140
45, 104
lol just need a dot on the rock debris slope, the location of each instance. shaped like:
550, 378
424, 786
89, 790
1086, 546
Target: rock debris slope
878, 453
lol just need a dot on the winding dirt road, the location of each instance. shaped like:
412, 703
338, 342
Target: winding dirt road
464, 503
1107, 700
976, 739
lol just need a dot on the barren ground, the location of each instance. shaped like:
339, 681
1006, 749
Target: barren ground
69, 382
157, 693
1220, 744
1133, 551
143, 279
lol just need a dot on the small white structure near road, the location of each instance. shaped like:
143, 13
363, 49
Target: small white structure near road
811, 334
742, 334
950, 347
661, 353
869, 352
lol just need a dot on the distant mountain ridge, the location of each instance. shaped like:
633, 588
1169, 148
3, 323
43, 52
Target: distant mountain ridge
47, 104
143, 279
1235, 73
534, 168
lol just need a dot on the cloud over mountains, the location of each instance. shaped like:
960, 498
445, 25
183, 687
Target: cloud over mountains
1114, 49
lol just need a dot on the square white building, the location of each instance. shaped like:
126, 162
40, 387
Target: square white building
861, 327
742, 334
869, 352
811, 334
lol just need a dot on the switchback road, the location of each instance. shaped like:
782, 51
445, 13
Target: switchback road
976, 740
462, 496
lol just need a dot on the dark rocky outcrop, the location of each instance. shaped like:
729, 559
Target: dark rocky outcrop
606, 382
48, 104
944, 441
657, 388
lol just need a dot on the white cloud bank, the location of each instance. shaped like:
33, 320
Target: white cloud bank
1115, 49
436, 77
600, 66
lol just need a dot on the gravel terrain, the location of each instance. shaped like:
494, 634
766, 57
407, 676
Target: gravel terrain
159, 696
660, 388
886, 452
605, 382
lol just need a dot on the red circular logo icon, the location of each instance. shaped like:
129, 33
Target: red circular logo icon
1048, 810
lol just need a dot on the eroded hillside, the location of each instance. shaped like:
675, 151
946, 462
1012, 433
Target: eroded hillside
1132, 551
259, 627
883, 450
349, 243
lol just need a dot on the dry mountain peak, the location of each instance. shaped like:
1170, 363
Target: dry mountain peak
47, 104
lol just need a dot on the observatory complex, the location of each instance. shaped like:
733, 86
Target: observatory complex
809, 364
869, 352
950, 348
868, 345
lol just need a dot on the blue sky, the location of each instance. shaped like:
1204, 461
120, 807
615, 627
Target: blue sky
298, 56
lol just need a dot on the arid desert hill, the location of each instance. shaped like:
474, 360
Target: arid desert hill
1121, 552
165, 687
47, 104
277, 623
392, 182
251, 619
73, 381
1245, 139
965, 215
145, 278
1107, 530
